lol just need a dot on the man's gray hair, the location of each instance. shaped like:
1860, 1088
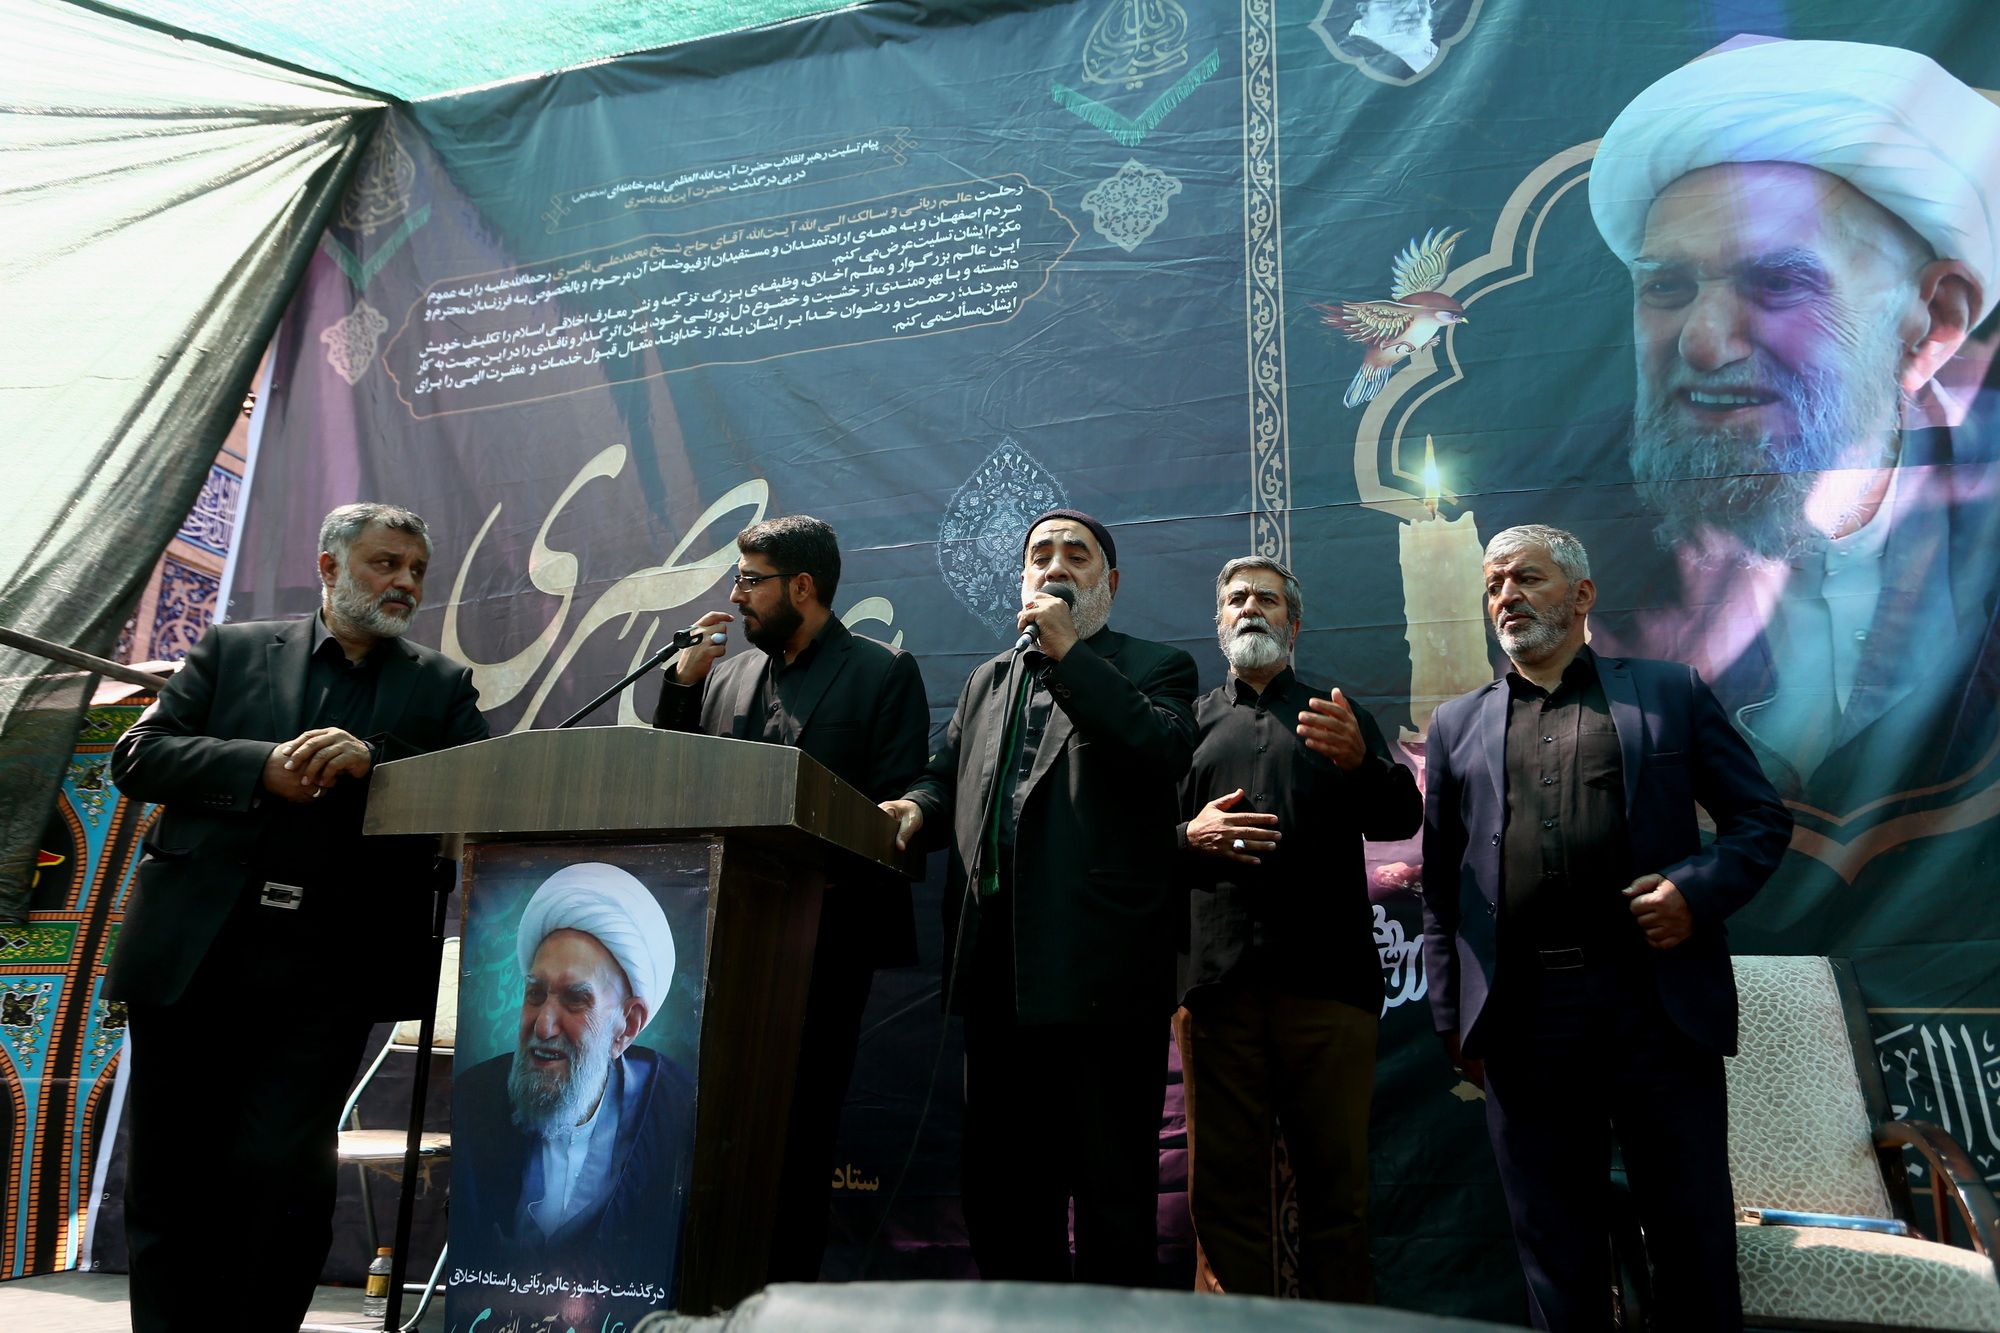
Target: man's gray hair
1295, 602
1563, 548
340, 529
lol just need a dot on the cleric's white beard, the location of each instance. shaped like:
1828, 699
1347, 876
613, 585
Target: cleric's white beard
1253, 651
546, 1103
352, 603
1758, 491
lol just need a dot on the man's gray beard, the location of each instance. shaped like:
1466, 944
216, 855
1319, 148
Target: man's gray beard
352, 603
1093, 607
546, 1103
1755, 489
1543, 636
1253, 652
1089, 612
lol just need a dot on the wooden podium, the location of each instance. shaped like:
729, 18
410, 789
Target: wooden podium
759, 828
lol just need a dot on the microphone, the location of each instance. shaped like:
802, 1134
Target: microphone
1031, 637
694, 634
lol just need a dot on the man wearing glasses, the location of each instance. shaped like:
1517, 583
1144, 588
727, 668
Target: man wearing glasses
857, 706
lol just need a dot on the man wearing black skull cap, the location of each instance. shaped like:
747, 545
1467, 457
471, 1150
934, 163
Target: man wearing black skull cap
1056, 785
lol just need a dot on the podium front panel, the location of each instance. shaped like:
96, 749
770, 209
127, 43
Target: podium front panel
581, 999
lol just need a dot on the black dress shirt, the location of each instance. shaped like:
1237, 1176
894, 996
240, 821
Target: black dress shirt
301, 843
1300, 921
1565, 855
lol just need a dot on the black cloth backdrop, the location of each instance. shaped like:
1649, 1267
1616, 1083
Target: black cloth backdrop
924, 273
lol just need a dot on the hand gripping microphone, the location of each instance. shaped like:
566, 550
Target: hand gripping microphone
1031, 637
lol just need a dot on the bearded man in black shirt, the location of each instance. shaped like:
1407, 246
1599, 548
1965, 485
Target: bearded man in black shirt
1282, 983
266, 934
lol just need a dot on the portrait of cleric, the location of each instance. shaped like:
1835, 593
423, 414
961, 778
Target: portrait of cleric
1812, 232
1394, 40
572, 1147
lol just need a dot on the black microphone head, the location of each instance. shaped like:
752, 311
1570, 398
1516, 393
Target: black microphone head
1062, 592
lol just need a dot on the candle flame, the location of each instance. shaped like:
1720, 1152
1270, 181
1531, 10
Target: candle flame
1433, 484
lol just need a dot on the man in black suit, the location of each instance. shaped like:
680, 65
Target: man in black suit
265, 935
1056, 784
1574, 937
858, 707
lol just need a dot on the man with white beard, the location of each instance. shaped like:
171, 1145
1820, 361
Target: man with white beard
1812, 234
260, 904
574, 1149
1575, 942
1055, 783
1281, 982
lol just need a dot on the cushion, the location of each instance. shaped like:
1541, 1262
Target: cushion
1863, 1277
1799, 1134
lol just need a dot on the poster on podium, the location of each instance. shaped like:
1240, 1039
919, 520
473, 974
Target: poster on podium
574, 1099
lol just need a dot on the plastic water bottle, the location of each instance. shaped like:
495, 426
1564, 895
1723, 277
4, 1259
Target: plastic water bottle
375, 1299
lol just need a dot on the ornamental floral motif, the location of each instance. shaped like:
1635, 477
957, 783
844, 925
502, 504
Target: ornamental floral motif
185, 608
1127, 207
979, 541
90, 786
352, 340
24, 1014
107, 1032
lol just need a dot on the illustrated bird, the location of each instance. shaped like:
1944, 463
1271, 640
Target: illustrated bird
1415, 317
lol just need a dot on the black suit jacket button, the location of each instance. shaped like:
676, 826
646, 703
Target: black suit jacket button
1496, 840
1491, 909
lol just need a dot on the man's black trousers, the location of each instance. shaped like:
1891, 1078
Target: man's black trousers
1055, 1113
1571, 1058
233, 1101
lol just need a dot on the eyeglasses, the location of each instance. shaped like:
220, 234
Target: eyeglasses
743, 580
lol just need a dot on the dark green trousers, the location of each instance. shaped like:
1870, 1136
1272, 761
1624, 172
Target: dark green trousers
1257, 1059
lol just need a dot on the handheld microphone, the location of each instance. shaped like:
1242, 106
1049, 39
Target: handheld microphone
693, 634
1031, 637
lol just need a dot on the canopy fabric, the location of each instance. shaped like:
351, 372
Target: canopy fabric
158, 197
421, 48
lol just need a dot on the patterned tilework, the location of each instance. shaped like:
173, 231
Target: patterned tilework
60, 1040
213, 518
186, 606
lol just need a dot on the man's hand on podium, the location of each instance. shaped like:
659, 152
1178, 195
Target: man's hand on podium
693, 663
909, 818
301, 769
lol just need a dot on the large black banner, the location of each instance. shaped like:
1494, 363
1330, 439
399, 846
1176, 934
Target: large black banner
1355, 285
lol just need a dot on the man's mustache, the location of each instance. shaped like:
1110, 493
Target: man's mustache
396, 599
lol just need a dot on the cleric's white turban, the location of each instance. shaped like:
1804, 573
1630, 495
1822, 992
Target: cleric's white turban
613, 907
1889, 122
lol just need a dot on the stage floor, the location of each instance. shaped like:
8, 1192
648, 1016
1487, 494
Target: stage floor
96, 1303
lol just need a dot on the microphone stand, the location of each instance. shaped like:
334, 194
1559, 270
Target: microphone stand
683, 638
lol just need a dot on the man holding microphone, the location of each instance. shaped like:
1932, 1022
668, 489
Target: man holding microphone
856, 706
1055, 782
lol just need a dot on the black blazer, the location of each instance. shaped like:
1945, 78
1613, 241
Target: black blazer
863, 715
1678, 749
200, 752
1093, 882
